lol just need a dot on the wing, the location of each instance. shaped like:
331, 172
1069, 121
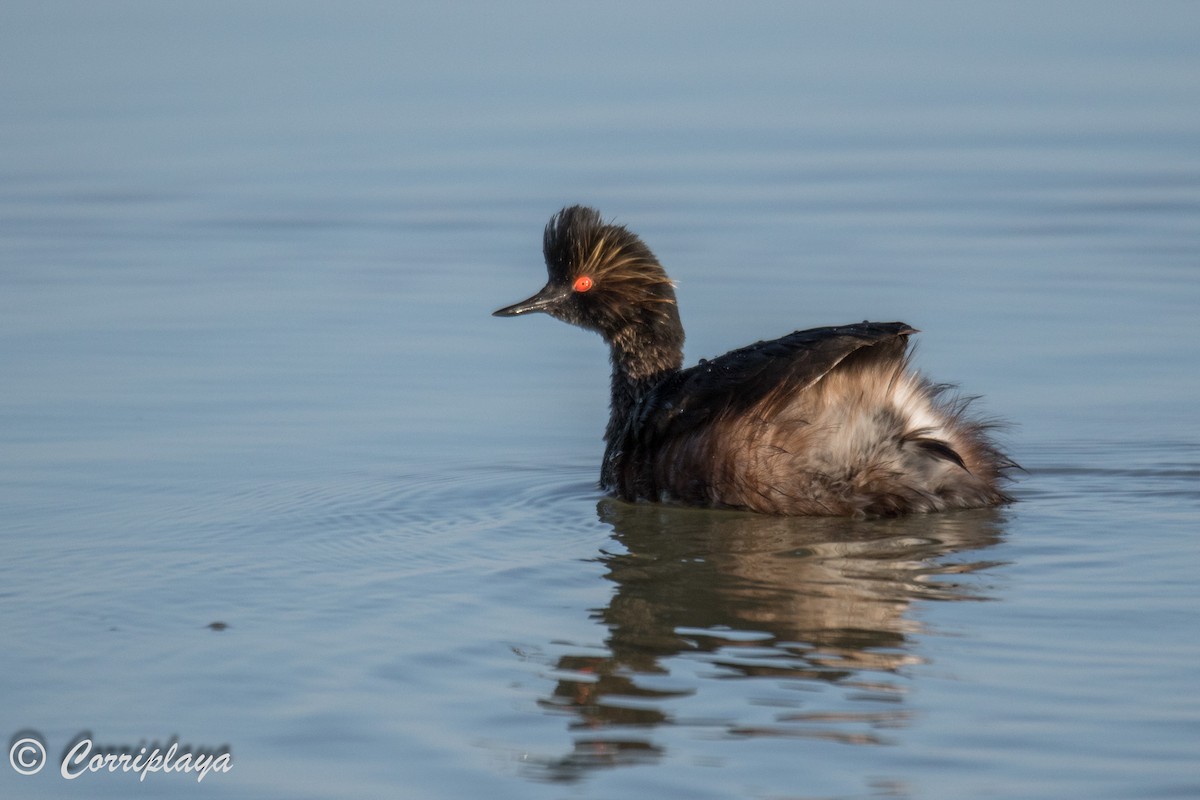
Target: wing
757, 373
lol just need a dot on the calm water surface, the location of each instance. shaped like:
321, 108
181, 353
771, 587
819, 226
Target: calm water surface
247, 256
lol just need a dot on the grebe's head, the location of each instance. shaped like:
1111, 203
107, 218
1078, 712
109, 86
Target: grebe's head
601, 277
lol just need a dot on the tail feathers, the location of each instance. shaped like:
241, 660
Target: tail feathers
938, 449
910, 448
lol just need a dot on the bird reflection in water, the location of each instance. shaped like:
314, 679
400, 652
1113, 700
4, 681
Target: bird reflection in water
816, 604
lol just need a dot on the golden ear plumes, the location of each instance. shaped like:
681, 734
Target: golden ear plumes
578, 242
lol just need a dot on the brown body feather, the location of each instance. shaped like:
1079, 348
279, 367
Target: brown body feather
828, 421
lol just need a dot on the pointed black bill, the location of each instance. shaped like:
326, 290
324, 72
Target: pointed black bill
548, 296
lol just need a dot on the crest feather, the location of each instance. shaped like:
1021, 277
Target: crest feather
577, 242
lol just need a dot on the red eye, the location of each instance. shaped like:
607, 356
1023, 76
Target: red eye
583, 283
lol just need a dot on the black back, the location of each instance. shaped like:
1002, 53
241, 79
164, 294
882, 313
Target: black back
742, 378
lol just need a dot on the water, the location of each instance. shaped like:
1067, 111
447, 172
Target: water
247, 255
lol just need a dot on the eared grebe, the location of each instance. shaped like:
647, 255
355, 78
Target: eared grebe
828, 421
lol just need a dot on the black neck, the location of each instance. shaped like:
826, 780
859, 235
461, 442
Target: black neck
641, 359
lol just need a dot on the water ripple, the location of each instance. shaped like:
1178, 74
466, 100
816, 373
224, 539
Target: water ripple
443, 518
